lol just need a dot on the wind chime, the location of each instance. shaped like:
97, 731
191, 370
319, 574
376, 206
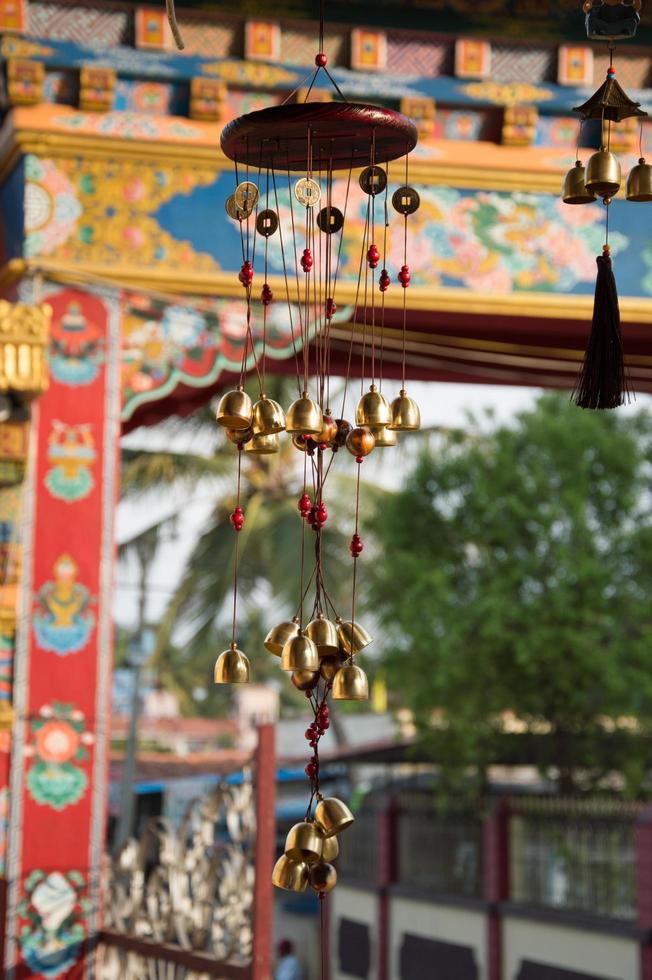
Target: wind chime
603, 380
286, 159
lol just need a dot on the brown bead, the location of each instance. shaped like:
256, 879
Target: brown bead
322, 877
329, 431
360, 441
343, 429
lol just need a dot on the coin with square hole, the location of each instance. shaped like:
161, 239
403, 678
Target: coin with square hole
246, 196
307, 192
233, 211
373, 180
330, 220
267, 223
406, 200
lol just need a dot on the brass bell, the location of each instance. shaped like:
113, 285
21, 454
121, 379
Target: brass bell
263, 445
351, 684
290, 875
329, 666
300, 653
406, 416
267, 417
639, 182
305, 842
332, 816
237, 436
305, 680
304, 417
603, 174
235, 409
574, 190
322, 877
279, 635
373, 408
353, 637
323, 634
331, 850
232, 667
384, 437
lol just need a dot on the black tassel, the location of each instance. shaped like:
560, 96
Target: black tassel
603, 382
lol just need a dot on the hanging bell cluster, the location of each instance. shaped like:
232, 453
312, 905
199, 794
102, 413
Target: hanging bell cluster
311, 847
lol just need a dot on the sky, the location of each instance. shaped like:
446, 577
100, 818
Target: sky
441, 404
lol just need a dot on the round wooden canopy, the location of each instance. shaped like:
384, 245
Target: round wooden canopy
321, 135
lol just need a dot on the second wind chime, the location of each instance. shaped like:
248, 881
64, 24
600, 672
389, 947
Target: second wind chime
293, 153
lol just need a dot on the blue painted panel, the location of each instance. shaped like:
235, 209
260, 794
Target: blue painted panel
12, 198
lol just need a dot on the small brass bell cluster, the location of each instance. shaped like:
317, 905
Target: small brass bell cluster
377, 422
311, 847
256, 427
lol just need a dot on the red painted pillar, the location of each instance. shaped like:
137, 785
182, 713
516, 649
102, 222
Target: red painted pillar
643, 844
387, 857
496, 883
265, 850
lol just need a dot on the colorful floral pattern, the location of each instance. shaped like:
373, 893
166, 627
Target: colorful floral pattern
63, 620
76, 348
71, 451
59, 737
53, 911
51, 207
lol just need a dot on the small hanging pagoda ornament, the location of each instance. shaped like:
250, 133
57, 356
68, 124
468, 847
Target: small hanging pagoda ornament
603, 380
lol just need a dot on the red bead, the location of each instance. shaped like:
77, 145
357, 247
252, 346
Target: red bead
323, 446
321, 60
331, 308
384, 281
246, 273
309, 734
237, 518
266, 294
310, 771
325, 725
356, 546
373, 257
306, 260
322, 514
359, 459
404, 276
304, 505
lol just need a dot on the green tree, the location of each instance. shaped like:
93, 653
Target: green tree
515, 587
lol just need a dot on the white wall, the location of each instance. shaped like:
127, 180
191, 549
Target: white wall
446, 923
611, 957
358, 906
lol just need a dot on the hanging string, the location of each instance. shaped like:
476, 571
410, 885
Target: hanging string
287, 284
236, 549
405, 237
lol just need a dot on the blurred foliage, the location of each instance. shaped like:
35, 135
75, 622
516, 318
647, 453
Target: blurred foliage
514, 588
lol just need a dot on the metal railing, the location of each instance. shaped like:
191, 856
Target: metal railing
574, 856
359, 850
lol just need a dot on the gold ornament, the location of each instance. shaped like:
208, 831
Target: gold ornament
290, 875
353, 637
305, 842
331, 850
603, 174
329, 666
262, 445
384, 436
300, 653
574, 190
279, 635
239, 436
373, 408
639, 182
351, 684
235, 409
406, 416
323, 634
305, 680
329, 429
360, 441
304, 418
267, 417
322, 877
232, 667
332, 817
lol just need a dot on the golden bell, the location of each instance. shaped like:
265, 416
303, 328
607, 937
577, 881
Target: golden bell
639, 182
406, 416
232, 667
237, 436
603, 174
235, 409
304, 418
300, 653
351, 684
332, 816
353, 637
279, 635
323, 634
267, 417
263, 445
305, 842
574, 190
384, 437
373, 408
331, 850
322, 877
329, 666
289, 874
305, 680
